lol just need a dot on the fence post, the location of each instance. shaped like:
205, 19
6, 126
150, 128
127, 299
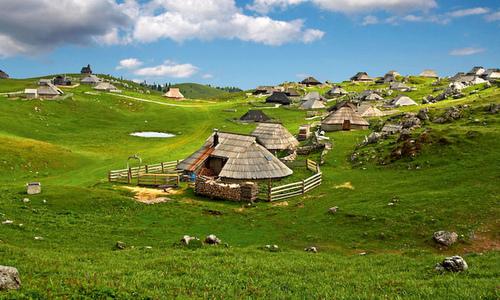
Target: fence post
146, 169
162, 169
269, 188
303, 187
129, 175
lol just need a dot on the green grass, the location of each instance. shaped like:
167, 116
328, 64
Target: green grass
199, 91
70, 144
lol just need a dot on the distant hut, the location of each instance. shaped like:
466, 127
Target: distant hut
275, 137
91, 79
86, 70
48, 90
31, 93
389, 77
263, 90
403, 100
341, 104
291, 92
399, 86
369, 95
491, 74
105, 86
279, 97
234, 157
3, 75
254, 115
368, 111
61, 80
313, 104
313, 96
476, 71
311, 81
174, 93
336, 91
345, 118
361, 77
457, 77
428, 73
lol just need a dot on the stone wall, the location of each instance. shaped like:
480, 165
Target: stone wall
244, 192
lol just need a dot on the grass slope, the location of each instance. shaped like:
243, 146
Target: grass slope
70, 144
199, 91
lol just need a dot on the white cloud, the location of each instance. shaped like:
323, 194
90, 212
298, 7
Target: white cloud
168, 69
370, 20
348, 6
493, 17
467, 51
207, 76
129, 63
468, 12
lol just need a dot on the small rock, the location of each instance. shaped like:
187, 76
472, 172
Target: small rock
212, 240
38, 238
452, 264
390, 203
362, 253
187, 239
7, 222
9, 278
272, 248
311, 249
26, 200
333, 210
44, 201
445, 237
120, 245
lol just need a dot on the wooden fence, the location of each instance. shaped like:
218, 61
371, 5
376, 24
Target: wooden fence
126, 175
158, 179
297, 188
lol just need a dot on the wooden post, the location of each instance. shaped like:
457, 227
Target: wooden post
129, 175
146, 168
269, 188
162, 169
303, 187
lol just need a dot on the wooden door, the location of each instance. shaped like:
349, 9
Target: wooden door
346, 125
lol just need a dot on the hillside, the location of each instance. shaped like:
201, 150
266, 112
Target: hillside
199, 91
369, 248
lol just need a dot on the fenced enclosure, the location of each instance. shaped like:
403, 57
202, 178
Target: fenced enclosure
140, 173
294, 189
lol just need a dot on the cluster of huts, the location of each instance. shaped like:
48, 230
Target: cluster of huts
3, 75
476, 75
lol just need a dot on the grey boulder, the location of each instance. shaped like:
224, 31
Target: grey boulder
9, 278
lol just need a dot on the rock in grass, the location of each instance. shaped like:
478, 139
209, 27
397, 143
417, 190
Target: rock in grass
191, 242
272, 248
333, 210
7, 222
120, 245
452, 264
9, 278
187, 239
212, 240
26, 200
445, 237
311, 249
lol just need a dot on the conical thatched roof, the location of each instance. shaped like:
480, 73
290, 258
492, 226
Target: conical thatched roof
291, 92
361, 76
47, 89
313, 104
104, 86
91, 79
373, 97
245, 158
278, 97
368, 111
310, 81
313, 96
342, 114
174, 93
337, 91
403, 100
275, 136
341, 104
429, 73
399, 86
3, 75
255, 115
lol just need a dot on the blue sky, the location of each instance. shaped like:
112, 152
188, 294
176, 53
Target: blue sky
247, 43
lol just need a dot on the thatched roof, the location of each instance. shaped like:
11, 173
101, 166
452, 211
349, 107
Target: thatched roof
245, 158
3, 75
361, 76
373, 97
392, 73
279, 97
105, 86
429, 73
345, 113
86, 70
263, 90
291, 92
399, 86
313, 104
313, 96
310, 81
368, 111
46, 88
341, 104
275, 136
174, 93
255, 115
91, 79
336, 91
403, 100
61, 80
491, 74
478, 71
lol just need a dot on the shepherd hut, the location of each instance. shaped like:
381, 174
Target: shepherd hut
291, 92
310, 81
402, 100
255, 115
368, 111
275, 137
263, 90
91, 79
278, 97
399, 86
105, 86
429, 74
234, 157
336, 91
312, 104
361, 77
174, 93
31, 93
313, 96
48, 90
476, 71
345, 118
3, 75
61, 80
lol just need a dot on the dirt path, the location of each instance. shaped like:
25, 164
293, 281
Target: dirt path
156, 102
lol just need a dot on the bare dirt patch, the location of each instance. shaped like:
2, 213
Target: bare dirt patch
483, 241
345, 185
151, 196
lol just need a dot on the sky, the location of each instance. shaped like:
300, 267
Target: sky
247, 43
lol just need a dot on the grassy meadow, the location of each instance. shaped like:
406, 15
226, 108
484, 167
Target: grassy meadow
368, 250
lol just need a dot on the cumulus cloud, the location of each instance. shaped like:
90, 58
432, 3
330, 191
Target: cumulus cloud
348, 6
370, 20
466, 51
168, 69
493, 17
31, 26
469, 12
129, 63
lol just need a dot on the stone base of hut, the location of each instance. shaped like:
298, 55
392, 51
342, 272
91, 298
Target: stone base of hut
340, 128
239, 192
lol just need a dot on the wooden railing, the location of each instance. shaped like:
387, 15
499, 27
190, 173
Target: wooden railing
126, 175
158, 179
296, 188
